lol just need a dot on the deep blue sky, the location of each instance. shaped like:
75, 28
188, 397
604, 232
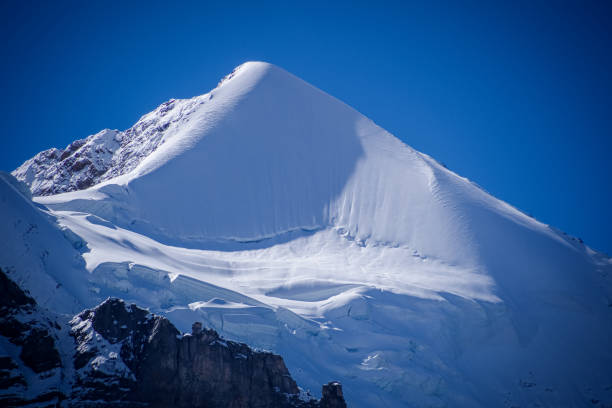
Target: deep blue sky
515, 96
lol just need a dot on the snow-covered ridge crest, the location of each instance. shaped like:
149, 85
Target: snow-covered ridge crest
108, 153
261, 156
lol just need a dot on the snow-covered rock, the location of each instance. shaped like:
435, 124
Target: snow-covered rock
107, 154
121, 355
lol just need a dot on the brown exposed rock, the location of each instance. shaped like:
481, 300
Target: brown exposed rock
332, 396
80, 164
38, 351
21, 323
199, 369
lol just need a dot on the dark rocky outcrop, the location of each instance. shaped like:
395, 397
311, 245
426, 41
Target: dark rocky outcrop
12, 295
7, 377
31, 335
125, 356
332, 396
38, 351
19, 325
161, 367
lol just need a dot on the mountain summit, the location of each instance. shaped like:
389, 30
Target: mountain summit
283, 218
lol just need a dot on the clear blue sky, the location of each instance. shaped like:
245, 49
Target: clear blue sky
516, 96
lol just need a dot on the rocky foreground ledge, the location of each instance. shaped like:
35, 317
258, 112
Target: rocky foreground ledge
121, 355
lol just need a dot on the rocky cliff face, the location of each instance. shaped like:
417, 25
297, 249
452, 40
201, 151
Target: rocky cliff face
136, 357
118, 354
30, 363
106, 154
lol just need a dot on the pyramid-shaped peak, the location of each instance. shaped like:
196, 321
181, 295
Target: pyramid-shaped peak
266, 154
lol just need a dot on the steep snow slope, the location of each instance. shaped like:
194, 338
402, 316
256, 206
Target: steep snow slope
37, 254
270, 154
286, 219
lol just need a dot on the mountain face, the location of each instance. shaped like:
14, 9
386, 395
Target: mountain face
30, 360
283, 218
122, 355
106, 154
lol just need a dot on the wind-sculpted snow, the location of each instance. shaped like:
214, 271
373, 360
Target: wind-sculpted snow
283, 218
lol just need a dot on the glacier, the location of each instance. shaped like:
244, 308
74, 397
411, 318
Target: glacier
283, 218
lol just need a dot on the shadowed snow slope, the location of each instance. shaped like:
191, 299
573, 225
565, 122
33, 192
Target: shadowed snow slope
283, 218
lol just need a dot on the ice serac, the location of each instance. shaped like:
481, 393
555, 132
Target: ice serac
283, 218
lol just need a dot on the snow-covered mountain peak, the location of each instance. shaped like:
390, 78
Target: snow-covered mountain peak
282, 217
265, 156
